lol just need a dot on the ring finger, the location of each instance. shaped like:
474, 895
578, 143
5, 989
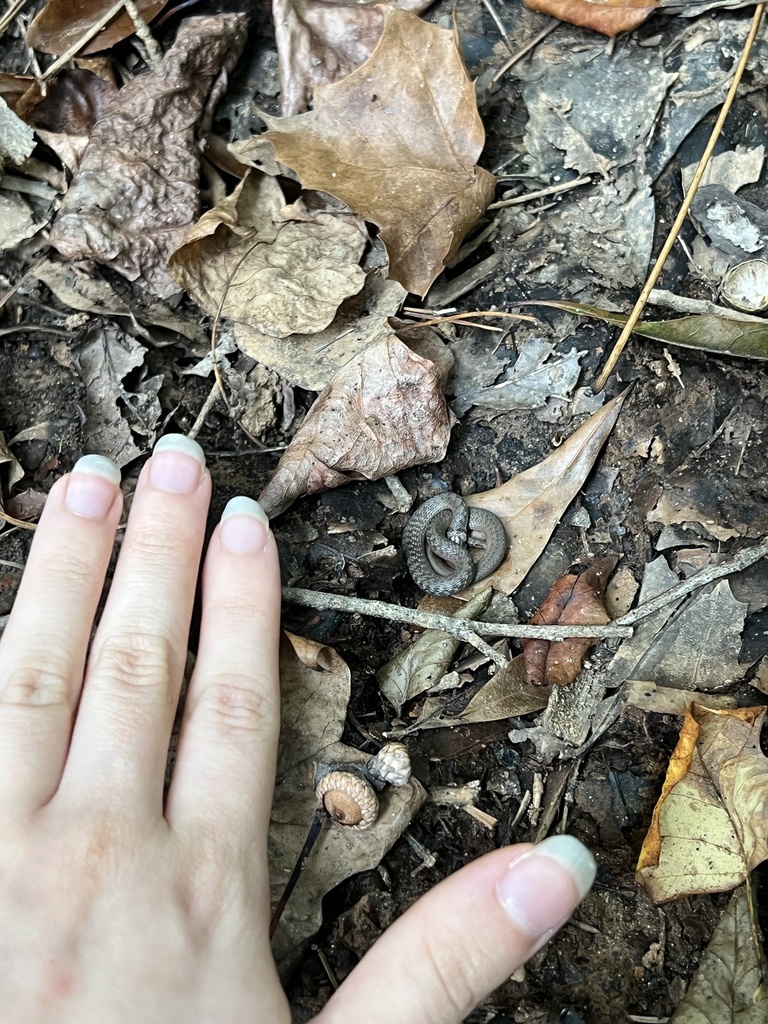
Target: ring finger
137, 657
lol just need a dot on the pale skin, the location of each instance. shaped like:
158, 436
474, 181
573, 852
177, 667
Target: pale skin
118, 906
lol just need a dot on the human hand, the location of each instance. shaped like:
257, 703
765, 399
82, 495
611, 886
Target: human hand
117, 907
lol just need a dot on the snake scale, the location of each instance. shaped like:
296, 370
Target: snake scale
437, 542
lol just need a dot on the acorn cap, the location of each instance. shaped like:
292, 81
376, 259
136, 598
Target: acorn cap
391, 765
348, 799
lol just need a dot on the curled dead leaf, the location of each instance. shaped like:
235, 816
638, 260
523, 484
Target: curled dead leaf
397, 140
137, 189
382, 412
607, 16
576, 599
708, 827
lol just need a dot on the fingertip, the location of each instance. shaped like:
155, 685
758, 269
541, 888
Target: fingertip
244, 527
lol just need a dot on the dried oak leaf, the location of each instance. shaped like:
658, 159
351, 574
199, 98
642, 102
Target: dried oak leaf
321, 41
607, 16
397, 140
61, 23
281, 269
708, 827
576, 599
136, 192
315, 689
532, 503
382, 412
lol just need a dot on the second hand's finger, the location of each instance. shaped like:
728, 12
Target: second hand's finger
42, 654
120, 740
466, 936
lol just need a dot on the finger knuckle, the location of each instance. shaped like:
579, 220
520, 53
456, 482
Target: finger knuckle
236, 704
136, 664
31, 685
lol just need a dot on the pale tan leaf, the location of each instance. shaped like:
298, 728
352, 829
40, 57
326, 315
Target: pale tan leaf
708, 828
382, 412
397, 140
532, 503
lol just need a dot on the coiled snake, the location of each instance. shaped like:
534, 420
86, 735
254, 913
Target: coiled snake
437, 539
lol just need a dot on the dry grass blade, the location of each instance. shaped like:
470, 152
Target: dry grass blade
655, 273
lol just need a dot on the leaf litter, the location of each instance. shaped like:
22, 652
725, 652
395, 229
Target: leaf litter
304, 280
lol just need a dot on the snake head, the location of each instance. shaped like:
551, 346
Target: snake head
458, 537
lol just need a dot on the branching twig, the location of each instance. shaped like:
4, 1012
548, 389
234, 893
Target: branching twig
674, 231
741, 561
464, 629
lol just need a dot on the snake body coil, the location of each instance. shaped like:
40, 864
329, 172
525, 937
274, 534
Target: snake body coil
437, 539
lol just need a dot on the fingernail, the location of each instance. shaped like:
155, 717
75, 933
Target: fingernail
244, 526
177, 464
542, 888
92, 486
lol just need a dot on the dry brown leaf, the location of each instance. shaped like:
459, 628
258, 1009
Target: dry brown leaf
281, 269
315, 688
576, 599
397, 140
61, 23
607, 16
321, 41
136, 192
708, 827
382, 412
531, 504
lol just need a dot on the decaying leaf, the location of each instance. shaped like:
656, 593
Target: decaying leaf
315, 689
531, 504
705, 333
505, 695
321, 41
60, 24
708, 827
397, 140
607, 16
105, 358
12, 464
698, 647
16, 138
421, 665
382, 412
576, 599
281, 269
137, 189
729, 982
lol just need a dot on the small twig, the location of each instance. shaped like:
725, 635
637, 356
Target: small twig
739, 562
15, 8
17, 522
540, 193
458, 317
499, 24
523, 51
699, 307
467, 630
86, 37
12, 565
141, 28
209, 404
658, 266
298, 867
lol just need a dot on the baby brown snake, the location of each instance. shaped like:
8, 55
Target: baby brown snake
437, 539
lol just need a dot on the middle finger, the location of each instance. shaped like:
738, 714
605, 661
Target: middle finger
137, 657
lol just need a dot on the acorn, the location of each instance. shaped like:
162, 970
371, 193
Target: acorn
392, 765
348, 799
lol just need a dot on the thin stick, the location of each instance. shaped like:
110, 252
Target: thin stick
658, 266
86, 37
499, 24
745, 558
458, 317
210, 403
522, 52
298, 867
540, 193
10, 14
467, 630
